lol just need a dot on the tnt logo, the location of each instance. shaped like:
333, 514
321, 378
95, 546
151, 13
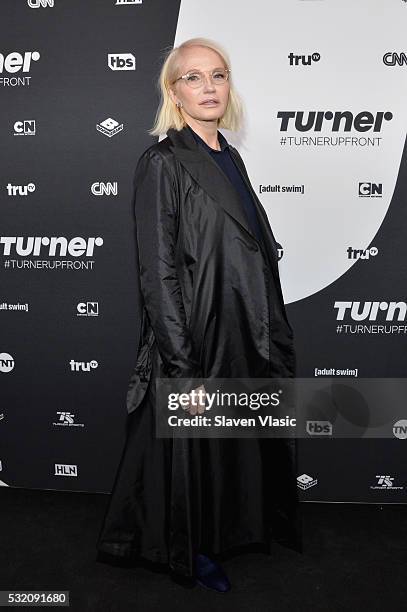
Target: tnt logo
400, 429
24, 128
121, 61
370, 190
87, 309
6, 363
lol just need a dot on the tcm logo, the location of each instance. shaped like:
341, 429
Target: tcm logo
24, 128
362, 253
40, 3
20, 190
303, 60
122, 2
84, 366
66, 419
319, 428
394, 59
62, 469
14, 61
6, 363
87, 309
53, 247
100, 189
305, 482
109, 127
121, 61
384, 482
370, 190
370, 310
336, 121
400, 429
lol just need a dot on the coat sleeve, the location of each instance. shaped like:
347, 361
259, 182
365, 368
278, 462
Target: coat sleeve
156, 211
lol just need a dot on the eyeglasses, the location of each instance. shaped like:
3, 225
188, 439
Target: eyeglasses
195, 78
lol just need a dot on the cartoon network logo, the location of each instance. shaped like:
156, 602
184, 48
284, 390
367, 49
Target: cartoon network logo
87, 309
359, 311
345, 121
25, 127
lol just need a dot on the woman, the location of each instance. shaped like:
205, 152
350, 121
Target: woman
212, 307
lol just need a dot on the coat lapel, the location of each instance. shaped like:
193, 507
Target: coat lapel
208, 174
199, 163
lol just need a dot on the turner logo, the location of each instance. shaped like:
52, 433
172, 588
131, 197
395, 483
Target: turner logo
100, 189
84, 366
62, 469
40, 3
303, 60
20, 190
16, 62
24, 128
391, 58
54, 246
344, 121
360, 311
370, 190
121, 61
109, 127
362, 253
87, 309
6, 363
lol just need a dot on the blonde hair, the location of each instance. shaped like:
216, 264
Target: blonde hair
168, 115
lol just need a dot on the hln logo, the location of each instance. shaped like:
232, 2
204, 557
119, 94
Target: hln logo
62, 469
370, 190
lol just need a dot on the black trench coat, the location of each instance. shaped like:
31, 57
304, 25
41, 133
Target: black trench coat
212, 307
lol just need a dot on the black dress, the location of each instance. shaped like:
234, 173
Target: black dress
226, 497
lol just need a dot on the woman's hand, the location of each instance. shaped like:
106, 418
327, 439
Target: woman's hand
199, 406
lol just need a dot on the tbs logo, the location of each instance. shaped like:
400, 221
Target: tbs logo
370, 190
319, 428
121, 61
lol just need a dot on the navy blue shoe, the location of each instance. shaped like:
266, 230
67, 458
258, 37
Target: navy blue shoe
210, 574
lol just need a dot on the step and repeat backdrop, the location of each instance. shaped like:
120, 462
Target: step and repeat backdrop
324, 87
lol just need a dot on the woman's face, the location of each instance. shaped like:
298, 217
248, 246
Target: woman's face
205, 60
